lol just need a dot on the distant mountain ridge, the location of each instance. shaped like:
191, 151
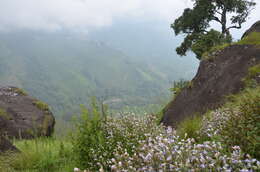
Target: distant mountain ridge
65, 71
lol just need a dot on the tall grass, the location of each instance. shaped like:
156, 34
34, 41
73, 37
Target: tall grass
190, 127
41, 155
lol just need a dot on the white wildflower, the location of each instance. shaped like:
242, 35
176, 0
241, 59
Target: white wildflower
76, 169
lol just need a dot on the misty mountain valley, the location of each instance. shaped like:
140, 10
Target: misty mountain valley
133, 86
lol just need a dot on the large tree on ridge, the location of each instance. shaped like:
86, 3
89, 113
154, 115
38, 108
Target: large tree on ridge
195, 23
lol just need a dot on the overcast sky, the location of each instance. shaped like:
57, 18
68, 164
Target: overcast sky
52, 15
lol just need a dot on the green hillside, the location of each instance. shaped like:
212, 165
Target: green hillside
66, 71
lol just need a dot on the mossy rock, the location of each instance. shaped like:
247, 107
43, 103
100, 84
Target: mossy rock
254, 28
215, 79
24, 117
214, 51
4, 114
41, 105
252, 39
46, 128
19, 91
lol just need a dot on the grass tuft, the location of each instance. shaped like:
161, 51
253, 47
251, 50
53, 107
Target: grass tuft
41, 105
20, 91
41, 155
210, 54
253, 72
252, 39
4, 114
190, 127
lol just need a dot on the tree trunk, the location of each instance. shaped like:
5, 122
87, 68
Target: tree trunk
224, 21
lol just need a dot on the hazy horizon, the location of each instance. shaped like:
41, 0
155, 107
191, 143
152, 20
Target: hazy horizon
131, 40
84, 16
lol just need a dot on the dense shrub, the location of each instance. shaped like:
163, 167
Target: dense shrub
235, 125
168, 152
207, 42
238, 123
89, 138
243, 126
139, 144
97, 138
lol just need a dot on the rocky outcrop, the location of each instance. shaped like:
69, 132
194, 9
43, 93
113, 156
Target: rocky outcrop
254, 28
217, 77
22, 116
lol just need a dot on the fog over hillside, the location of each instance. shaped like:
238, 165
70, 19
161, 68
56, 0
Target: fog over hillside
65, 52
66, 69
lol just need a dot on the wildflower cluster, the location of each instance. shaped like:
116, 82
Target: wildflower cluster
134, 143
97, 139
127, 132
213, 123
124, 135
237, 123
168, 152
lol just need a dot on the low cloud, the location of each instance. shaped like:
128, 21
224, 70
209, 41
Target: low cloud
81, 14
86, 14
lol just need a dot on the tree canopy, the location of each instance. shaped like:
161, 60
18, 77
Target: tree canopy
195, 23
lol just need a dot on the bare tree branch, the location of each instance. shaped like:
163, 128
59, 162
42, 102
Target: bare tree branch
235, 27
217, 19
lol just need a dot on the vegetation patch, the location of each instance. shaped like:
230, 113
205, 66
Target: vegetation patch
41, 155
19, 91
253, 72
48, 119
41, 105
210, 42
252, 39
194, 22
130, 143
4, 114
190, 127
178, 86
168, 152
214, 50
97, 139
238, 122
139, 144
243, 128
